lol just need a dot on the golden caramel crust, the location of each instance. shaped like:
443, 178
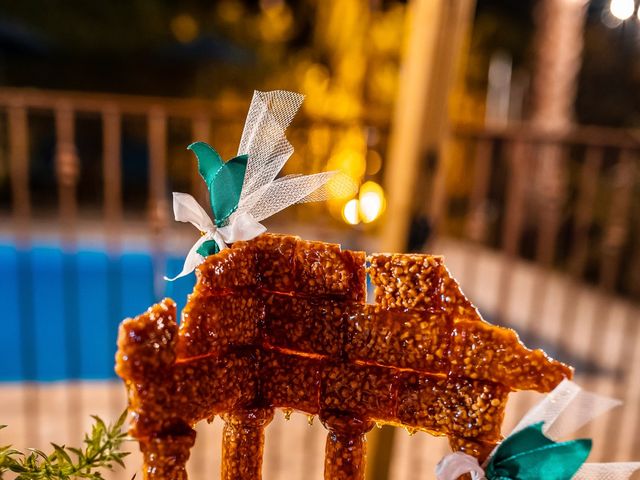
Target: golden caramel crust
477, 349
452, 406
345, 451
480, 350
277, 322
288, 381
415, 340
305, 324
216, 322
345, 456
407, 281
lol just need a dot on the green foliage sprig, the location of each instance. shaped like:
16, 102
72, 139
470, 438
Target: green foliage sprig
101, 451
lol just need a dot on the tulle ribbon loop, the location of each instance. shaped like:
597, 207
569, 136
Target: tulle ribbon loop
244, 190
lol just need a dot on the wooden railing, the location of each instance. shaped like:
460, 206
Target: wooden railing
218, 122
66, 106
566, 200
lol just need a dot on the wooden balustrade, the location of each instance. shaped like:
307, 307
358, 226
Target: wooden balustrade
550, 196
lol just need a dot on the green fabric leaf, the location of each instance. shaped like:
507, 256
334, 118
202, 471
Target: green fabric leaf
530, 455
210, 247
224, 180
226, 188
528, 438
209, 161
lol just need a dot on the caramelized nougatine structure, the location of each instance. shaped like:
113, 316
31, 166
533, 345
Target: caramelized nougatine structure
278, 322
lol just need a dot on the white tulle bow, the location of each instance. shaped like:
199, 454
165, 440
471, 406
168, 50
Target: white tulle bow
567, 408
263, 195
187, 209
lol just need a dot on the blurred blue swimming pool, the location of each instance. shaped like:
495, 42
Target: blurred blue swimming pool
61, 310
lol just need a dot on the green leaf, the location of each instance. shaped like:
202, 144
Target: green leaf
101, 452
209, 247
226, 188
209, 161
61, 453
39, 453
120, 422
530, 455
17, 468
224, 180
77, 452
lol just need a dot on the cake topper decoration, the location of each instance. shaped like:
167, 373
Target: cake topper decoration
244, 190
530, 451
277, 322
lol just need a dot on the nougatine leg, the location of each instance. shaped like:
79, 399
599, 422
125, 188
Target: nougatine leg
165, 457
346, 448
243, 443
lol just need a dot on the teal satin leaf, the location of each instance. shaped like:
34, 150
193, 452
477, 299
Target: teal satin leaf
224, 180
530, 455
209, 247
226, 188
209, 161
528, 438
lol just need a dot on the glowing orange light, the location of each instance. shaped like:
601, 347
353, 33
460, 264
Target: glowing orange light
372, 202
350, 212
622, 9
184, 27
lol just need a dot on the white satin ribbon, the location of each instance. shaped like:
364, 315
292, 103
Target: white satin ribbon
567, 408
241, 227
263, 195
457, 464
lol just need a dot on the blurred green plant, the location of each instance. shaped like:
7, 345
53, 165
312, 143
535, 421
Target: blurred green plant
102, 449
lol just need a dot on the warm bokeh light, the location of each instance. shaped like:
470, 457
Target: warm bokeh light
184, 27
372, 201
229, 11
350, 161
374, 162
622, 9
276, 23
316, 78
368, 207
609, 20
350, 212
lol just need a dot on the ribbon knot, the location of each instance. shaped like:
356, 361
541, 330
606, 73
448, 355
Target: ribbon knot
213, 238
